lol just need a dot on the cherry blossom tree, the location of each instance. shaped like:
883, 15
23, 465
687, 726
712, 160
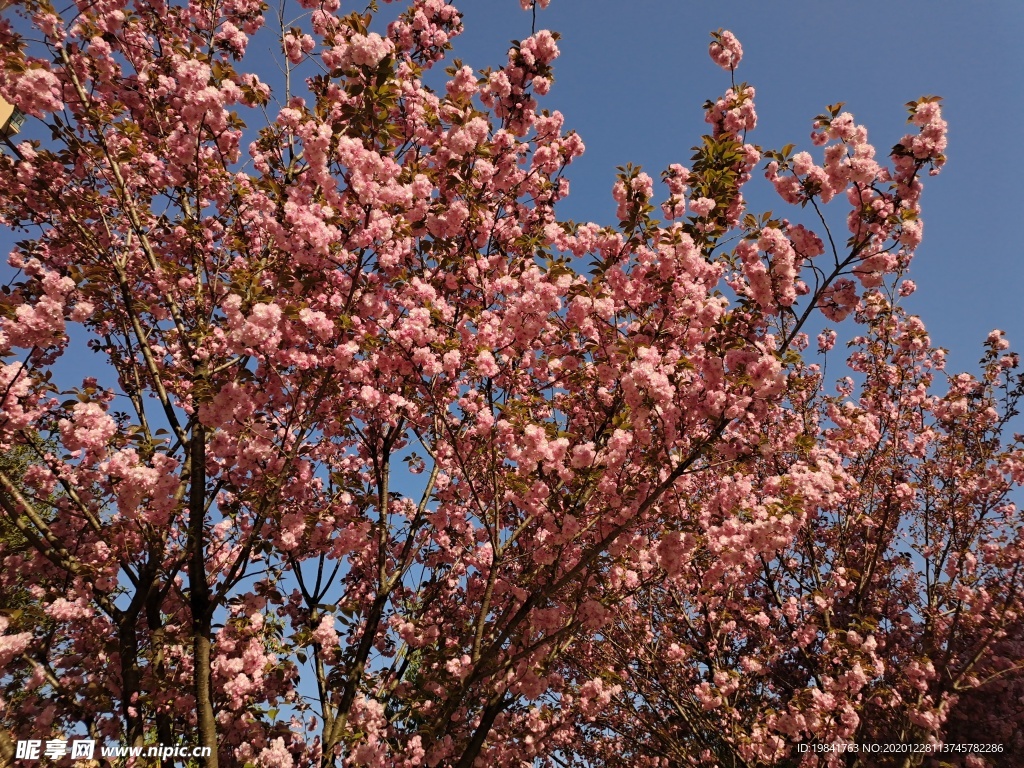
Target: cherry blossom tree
882, 608
382, 463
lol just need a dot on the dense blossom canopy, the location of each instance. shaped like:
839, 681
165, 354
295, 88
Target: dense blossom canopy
382, 463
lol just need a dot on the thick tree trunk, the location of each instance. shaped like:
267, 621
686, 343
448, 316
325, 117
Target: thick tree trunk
128, 649
164, 725
6, 749
490, 714
200, 599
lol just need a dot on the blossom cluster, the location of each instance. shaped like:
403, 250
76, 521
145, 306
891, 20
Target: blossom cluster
385, 463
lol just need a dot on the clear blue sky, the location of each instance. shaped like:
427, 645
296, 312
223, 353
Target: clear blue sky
633, 75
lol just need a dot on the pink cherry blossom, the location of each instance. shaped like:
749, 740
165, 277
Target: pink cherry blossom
383, 461
702, 206
726, 50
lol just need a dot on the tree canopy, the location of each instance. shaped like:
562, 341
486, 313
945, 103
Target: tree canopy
382, 463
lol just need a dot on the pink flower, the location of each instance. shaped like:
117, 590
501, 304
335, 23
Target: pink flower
261, 329
725, 50
62, 609
802, 163
325, 633
317, 322
643, 185
275, 756
676, 177
90, 427
369, 50
485, 363
702, 206
38, 91
296, 47
541, 47
11, 645
805, 242
41, 325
